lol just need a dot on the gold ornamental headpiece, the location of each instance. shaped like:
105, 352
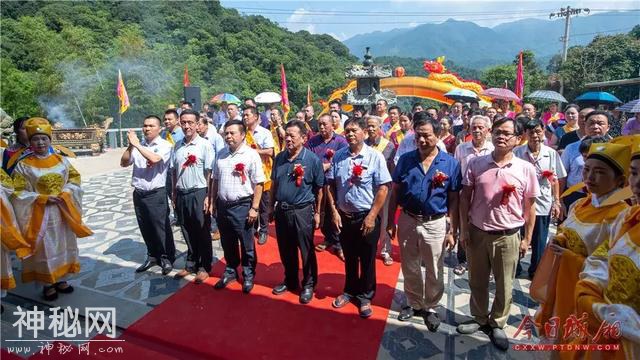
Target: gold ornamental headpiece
37, 125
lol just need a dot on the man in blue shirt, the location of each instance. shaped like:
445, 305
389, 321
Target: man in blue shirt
296, 176
357, 187
426, 183
325, 144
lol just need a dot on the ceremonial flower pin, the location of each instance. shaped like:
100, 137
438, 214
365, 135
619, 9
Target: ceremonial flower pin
191, 159
329, 153
239, 170
549, 175
298, 173
356, 173
507, 190
438, 179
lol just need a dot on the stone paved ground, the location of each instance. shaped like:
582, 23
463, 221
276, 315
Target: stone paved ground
110, 256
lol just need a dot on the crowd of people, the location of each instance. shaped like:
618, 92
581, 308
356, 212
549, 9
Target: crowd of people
485, 182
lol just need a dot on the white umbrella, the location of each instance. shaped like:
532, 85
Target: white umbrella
268, 97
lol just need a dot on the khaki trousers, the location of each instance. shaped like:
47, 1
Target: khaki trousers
422, 242
486, 253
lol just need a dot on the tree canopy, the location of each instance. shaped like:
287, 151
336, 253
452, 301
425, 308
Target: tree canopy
59, 57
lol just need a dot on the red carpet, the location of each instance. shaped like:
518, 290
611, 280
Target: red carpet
201, 322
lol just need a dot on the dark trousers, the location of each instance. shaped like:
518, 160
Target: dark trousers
461, 254
294, 230
538, 242
196, 225
329, 230
234, 229
263, 214
152, 213
360, 257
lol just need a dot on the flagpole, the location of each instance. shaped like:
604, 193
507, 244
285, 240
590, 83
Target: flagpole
120, 128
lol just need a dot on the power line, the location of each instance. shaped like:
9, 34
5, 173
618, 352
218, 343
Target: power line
387, 13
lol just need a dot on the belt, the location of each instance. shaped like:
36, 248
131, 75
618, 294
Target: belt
424, 217
502, 232
140, 191
354, 215
242, 200
286, 206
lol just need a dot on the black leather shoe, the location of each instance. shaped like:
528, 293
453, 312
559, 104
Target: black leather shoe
146, 265
306, 295
223, 282
166, 266
407, 313
432, 320
247, 286
279, 289
499, 339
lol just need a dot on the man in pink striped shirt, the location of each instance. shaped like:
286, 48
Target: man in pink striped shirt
497, 199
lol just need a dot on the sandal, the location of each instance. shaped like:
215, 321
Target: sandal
61, 288
460, 269
387, 260
49, 293
341, 301
321, 247
365, 311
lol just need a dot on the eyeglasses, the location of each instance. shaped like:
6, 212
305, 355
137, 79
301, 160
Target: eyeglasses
498, 133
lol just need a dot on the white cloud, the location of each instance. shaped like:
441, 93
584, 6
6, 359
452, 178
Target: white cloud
340, 37
299, 19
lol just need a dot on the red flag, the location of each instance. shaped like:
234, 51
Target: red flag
519, 88
284, 93
309, 97
185, 78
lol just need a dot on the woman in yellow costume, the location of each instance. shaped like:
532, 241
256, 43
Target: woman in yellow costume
47, 202
11, 237
586, 227
609, 286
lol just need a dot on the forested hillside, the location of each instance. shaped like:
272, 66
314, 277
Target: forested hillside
60, 57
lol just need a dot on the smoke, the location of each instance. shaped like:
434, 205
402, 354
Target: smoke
55, 112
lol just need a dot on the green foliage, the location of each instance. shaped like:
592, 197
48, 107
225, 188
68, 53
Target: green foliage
606, 58
534, 78
58, 56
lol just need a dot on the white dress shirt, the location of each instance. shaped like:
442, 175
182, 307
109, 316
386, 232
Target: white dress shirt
192, 176
230, 186
145, 177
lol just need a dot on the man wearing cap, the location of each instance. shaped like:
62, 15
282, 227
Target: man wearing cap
358, 186
151, 160
325, 144
497, 199
297, 175
235, 195
426, 183
193, 158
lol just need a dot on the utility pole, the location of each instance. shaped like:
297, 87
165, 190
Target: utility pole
566, 13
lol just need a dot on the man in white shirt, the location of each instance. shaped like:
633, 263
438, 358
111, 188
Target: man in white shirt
235, 195
208, 132
193, 157
478, 146
150, 159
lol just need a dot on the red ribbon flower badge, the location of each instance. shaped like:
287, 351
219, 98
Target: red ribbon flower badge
507, 190
298, 173
191, 159
549, 175
438, 179
329, 154
356, 173
254, 146
239, 170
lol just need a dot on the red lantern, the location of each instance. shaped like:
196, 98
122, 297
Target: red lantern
398, 72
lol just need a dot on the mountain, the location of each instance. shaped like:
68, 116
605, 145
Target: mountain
475, 46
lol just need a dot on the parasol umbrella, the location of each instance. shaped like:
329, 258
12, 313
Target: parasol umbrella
547, 95
268, 97
225, 97
501, 93
598, 97
462, 95
631, 107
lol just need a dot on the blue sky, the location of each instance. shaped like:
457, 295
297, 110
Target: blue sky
344, 19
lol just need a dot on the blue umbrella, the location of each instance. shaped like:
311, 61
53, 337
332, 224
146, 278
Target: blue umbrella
630, 107
598, 96
462, 94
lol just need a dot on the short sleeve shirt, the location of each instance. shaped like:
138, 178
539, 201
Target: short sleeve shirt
192, 176
488, 180
149, 177
465, 152
231, 186
263, 138
409, 144
283, 175
319, 147
573, 163
357, 194
548, 159
418, 192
